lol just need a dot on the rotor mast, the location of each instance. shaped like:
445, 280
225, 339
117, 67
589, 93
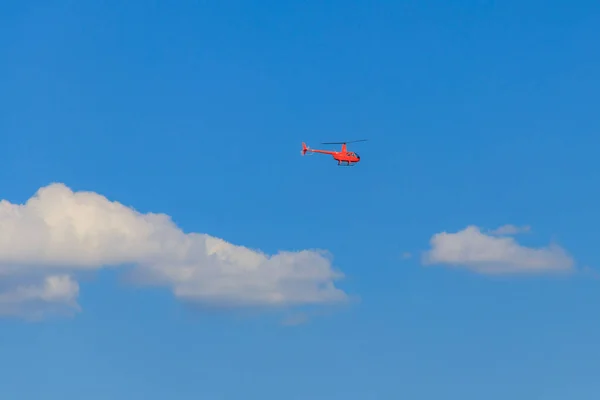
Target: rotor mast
344, 148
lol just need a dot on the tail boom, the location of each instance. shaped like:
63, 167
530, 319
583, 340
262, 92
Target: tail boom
306, 149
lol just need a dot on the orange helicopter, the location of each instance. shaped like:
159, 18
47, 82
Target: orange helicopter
343, 157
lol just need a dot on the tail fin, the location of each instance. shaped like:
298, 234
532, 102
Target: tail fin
304, 148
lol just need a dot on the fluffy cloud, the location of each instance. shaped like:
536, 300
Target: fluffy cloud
474, 250
57, 233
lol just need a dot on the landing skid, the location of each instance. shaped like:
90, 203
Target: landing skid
346, 164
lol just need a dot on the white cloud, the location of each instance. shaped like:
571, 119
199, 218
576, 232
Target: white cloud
474, 250
58, 233
52, 294
510, 230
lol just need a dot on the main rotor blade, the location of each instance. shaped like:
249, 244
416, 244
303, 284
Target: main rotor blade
352, 141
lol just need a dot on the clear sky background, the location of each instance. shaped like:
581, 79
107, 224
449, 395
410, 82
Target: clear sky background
477, 113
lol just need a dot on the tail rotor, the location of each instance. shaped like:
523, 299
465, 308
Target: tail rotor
304, 149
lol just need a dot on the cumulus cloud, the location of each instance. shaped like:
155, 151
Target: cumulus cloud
488, 254
57, 233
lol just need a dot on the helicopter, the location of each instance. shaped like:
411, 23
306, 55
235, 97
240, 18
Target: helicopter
343, 157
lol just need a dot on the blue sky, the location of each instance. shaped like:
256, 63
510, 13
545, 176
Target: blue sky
478, 114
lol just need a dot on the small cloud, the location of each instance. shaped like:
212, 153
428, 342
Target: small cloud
510, 230
591, 272
295, 319
38, 299
473, 250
